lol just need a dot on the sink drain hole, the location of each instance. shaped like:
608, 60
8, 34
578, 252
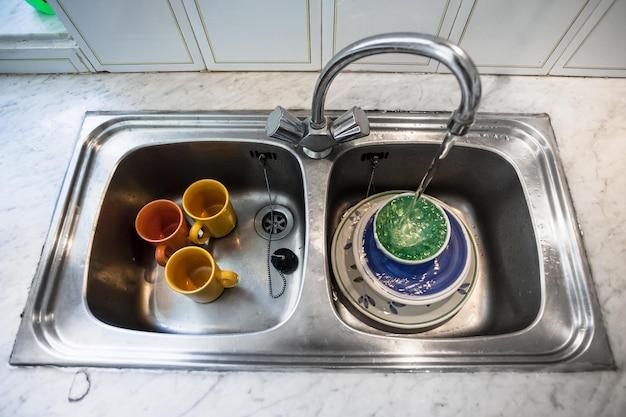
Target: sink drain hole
277, 222
274, 222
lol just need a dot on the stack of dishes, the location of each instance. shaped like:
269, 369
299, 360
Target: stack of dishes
408, 296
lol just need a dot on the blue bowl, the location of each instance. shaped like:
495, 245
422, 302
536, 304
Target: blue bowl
421, 280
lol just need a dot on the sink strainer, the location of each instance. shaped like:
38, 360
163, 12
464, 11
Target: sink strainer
277, 223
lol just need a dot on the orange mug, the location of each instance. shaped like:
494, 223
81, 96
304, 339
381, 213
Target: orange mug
161, 223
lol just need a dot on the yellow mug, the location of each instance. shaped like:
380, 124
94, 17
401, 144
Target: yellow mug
208, 203
192, 271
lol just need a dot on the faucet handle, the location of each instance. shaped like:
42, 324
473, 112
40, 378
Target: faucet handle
284, 126
353, 124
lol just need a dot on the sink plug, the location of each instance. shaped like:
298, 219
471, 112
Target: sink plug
285, 261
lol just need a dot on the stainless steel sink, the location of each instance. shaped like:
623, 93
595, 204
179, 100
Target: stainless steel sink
98, 298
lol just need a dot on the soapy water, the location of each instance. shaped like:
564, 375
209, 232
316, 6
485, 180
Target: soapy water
421, 237
408, 233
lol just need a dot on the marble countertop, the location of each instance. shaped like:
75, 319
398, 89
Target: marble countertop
39, 121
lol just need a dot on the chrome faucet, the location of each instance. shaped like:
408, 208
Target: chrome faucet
317, 136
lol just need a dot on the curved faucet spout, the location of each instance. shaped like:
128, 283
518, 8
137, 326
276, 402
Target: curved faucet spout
317, 137
452, 56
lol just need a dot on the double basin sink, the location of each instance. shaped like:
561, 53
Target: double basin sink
99, 298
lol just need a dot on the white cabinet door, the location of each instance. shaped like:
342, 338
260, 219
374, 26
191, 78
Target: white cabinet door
346, 21
518, 37
257, 35
598, 48
137, 35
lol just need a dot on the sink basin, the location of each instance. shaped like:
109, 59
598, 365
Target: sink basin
487, 194
98, 298
125, 287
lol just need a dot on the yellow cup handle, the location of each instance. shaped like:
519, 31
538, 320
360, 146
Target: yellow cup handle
228, 279
194, 233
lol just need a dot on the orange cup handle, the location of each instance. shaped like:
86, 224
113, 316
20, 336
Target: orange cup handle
161, 254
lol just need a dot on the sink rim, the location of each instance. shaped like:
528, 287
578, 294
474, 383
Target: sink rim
39, 341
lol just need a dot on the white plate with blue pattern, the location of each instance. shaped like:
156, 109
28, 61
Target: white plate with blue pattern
374, 305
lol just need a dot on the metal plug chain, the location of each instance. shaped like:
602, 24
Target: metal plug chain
269, 240
370, 185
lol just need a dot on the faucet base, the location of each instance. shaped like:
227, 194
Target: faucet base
317, 154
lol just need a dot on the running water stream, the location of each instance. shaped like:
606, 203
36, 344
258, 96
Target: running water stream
442, 152
412, 225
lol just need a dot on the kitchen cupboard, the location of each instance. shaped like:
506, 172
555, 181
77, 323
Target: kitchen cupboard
598, 48
138, 35
345, 21
257, 35
560, 37
518, 37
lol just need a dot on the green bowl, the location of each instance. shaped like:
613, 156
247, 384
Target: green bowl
411, 233
41, 6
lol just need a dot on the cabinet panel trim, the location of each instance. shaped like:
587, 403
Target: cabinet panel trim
545, 60
180, 33
566, 65
426, 64
247, 61
42, 59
